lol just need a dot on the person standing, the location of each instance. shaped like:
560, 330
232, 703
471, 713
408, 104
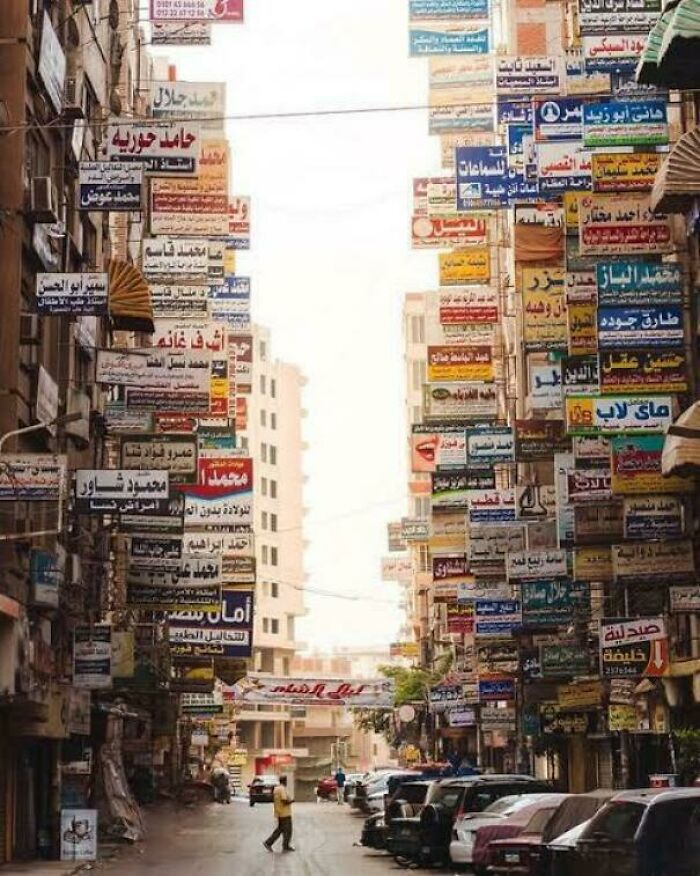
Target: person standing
340, 784
282, 805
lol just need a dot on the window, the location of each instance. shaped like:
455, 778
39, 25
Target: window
273, 489
273, 388
266, 625
273, 455
424, 562
264, 553
273, 522
285, 671
274, 556
263, 350
263, 520
262, 384
263, 486
290, 627
263, 452
617, 822
274, 626
274, 590
242, 442
263, 418
273, 421
417, 330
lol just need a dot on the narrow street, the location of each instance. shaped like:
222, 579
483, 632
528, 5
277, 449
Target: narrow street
222, 840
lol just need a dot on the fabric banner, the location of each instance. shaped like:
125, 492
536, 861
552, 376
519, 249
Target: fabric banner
351, 692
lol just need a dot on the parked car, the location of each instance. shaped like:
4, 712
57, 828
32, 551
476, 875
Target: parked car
374, 832
407, 800
507, 848
563, 831
351, 781
425, 838
326, 788
261, 788
465, 828
648, 832
369, 796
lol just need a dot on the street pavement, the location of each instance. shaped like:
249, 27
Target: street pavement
214, 840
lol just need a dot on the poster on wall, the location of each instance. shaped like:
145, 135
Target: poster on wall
78, 834
92, 656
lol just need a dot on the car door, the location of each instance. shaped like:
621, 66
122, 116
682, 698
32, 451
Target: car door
670, 839
608, 846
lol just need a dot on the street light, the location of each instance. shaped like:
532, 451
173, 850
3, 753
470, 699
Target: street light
37, 427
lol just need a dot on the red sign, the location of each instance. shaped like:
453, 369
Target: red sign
222, 11
223, 475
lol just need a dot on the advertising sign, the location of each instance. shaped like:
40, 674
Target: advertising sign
582, 694
633, 647
190, 211
640, 326
460, 618
471, 306
617, 16
583, 331
553, 602
625, 123
495, 689
492, 506
176, 454
456, 9
588, 485
438, 447
593, 563
414, 529
196, 33
634, 283
92, 656
653, 517
352, 692
496, 617
180, 301
488, 546
114, 186
397, 568
449, 490
563, 166
465, 266
498, 720
32, 477
484, 179
539, 439
460, 401
190, 100
52, 64
592, 451
47, 571
450, 571
610, 224
545, 386
461, 73
443, 232
169, 260
555, 722
685, 599
228, 509
617, 54
667, 560
489, 446
545, 321
225, 632
528, 75
214, 11
158, 596
153, 368
598, 523
444, 696
551, 563
608, 415
536, 501
624, 171
107, 491
636, 467
564, 661
643, 371
161, 150
78, 834
459, 363
449, 38
558, 118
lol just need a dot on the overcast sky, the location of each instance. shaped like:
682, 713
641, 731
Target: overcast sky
330, 262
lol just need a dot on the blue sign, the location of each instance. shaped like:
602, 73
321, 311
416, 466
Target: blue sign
224, 632
640, 327
632, 282
558, 118
466, 41
431, 9
231, 303
496, 617
494, 689
625, 123
514, 112
485, 180
45, 574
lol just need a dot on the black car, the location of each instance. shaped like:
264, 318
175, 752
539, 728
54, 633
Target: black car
425, 838
260, 790
406, 801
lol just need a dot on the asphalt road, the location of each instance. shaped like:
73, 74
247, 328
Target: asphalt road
215, 840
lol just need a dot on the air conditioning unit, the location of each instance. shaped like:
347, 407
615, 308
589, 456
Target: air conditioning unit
73, 99
78, 403
43, 205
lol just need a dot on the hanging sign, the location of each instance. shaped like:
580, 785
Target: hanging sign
176, 454
624, 171
32, 477
71, 294
636, 467
476, 305
214, 11
465, 266
459, 363
580, 375
634, 283
460, 401
563, 166
110, 186
92, 656
161, 150
107, 491
497, 617
625, 123
489, 446
195, 33
587, 485
449, 38
553, 602
363, 693
439, 447
664, 560
607, 415
617, 16
653, 517
551, 563
617, 53
527, 75
593, 564
558, 118
442, 232
539, 439
633, 647
640, 326
224, 632
492, 506
621, 225
643, 371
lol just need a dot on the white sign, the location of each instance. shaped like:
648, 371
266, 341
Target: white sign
176, 33
368, 693
537, 564
235, 509
182, 259
52, 64
162, 150
110, 483
78, 834
59, 294
190, 100
155, 369
46, 399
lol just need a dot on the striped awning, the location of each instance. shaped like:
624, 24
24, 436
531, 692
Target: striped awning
677, 182
648, 67
681, 453
130, 307
672, 54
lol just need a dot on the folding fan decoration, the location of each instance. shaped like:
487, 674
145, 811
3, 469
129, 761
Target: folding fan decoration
130, 306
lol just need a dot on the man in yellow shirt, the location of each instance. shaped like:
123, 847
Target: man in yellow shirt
282, 804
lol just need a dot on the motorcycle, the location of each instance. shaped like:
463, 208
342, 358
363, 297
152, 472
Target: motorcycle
222, 788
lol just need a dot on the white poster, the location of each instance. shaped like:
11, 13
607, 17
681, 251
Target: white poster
78, 834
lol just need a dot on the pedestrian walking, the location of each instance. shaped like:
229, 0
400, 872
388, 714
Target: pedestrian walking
340, 783
282, 805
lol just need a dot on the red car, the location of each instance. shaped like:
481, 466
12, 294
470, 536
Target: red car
326, 788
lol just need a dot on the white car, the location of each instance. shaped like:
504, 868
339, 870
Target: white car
465, 828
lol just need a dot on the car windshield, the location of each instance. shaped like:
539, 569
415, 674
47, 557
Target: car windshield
616, 822
505, 804
448, 796
411, 793
539, 820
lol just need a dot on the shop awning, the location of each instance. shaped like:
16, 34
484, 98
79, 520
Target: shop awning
130, 306
677, 182
671, 57
681, 453
648, 68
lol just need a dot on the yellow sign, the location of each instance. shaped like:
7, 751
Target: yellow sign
624, 172
583, 328
230, 262
571, 201
465, 266
545, 325
622, 718
578, 696
593, 564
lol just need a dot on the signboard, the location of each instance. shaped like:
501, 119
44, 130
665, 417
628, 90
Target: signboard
465, 266
551, 563
169, 260
536, 501
442, 232
153, 515
460, 618
621, 54
489, 545
489, 446
617, 16
47, 571
555, 722
621, 225
580, 695
229, 509
176, 454
439, 447
589, 485
158, 596
558, 118
472, 306
484, 179
195, 33
397, 568
450, 571
78, 834
414, 529
539, 439
633, 647
634, 282
528, 75
625, 123
583, 330
496, 617
92, 656
153, 368
545, 325
449, 38
495, 689
685, 599
553, 602
653, 517
32, 477
593, 563
162, 150
609, 415
643, 371
449, 490
444, 696
456, 9
460, 401
113, 186
226, 632
352, 692
178, 301
187, 211
52, 64
205, 101
666, 560
591, 451
492, 506
564, 661
624, 171
598, 523
236, 549
460, 363
214, 11
105, 491
581, 285
545, 386
653, 326
636, 467
497, 719
563, 166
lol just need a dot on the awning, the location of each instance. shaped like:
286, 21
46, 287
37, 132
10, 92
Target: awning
677, 182
130, 306
648, 67
681, 453
671, 57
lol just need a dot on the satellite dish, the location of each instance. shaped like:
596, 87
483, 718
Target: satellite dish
407, 714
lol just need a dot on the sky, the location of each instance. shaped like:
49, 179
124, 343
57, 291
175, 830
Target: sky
330, 263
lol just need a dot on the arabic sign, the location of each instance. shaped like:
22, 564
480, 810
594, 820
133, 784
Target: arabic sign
545, 325
640, 326
608, 415
169, 260
162, 150
151, 592
545, 386
539, 439
598, 523
624, 171
441, 232
583, 331
643, 371
484, 179
231, 509
669, 560
492, 506
457, 9
414, 529
593, 563
443, 696
563, 166
178, 301
180, 34
588, 485
633, 647
153, 368
536, 501
617, 16
459, 363
205, 101
460, 618
60, 294
449, 490
460, 401
465, 266
495, 689
32, 477
580, 695
437, 447
153, 515
685, 599
214, 11
224, 632
488, 446
52, 64
625, 123
610, 224
188, 334
653, 517
92, 656
108, 490
580, 375
461, 73
236, 549
631, 282
472, 306
553, 602
555, 722
449, 38
352, 692
223, 475
558, 119
176, 454
636, 466
113, 186
615, 53
450, 571
528, 75
564, 661
187, 211
496, 617
537, 564
488, 546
